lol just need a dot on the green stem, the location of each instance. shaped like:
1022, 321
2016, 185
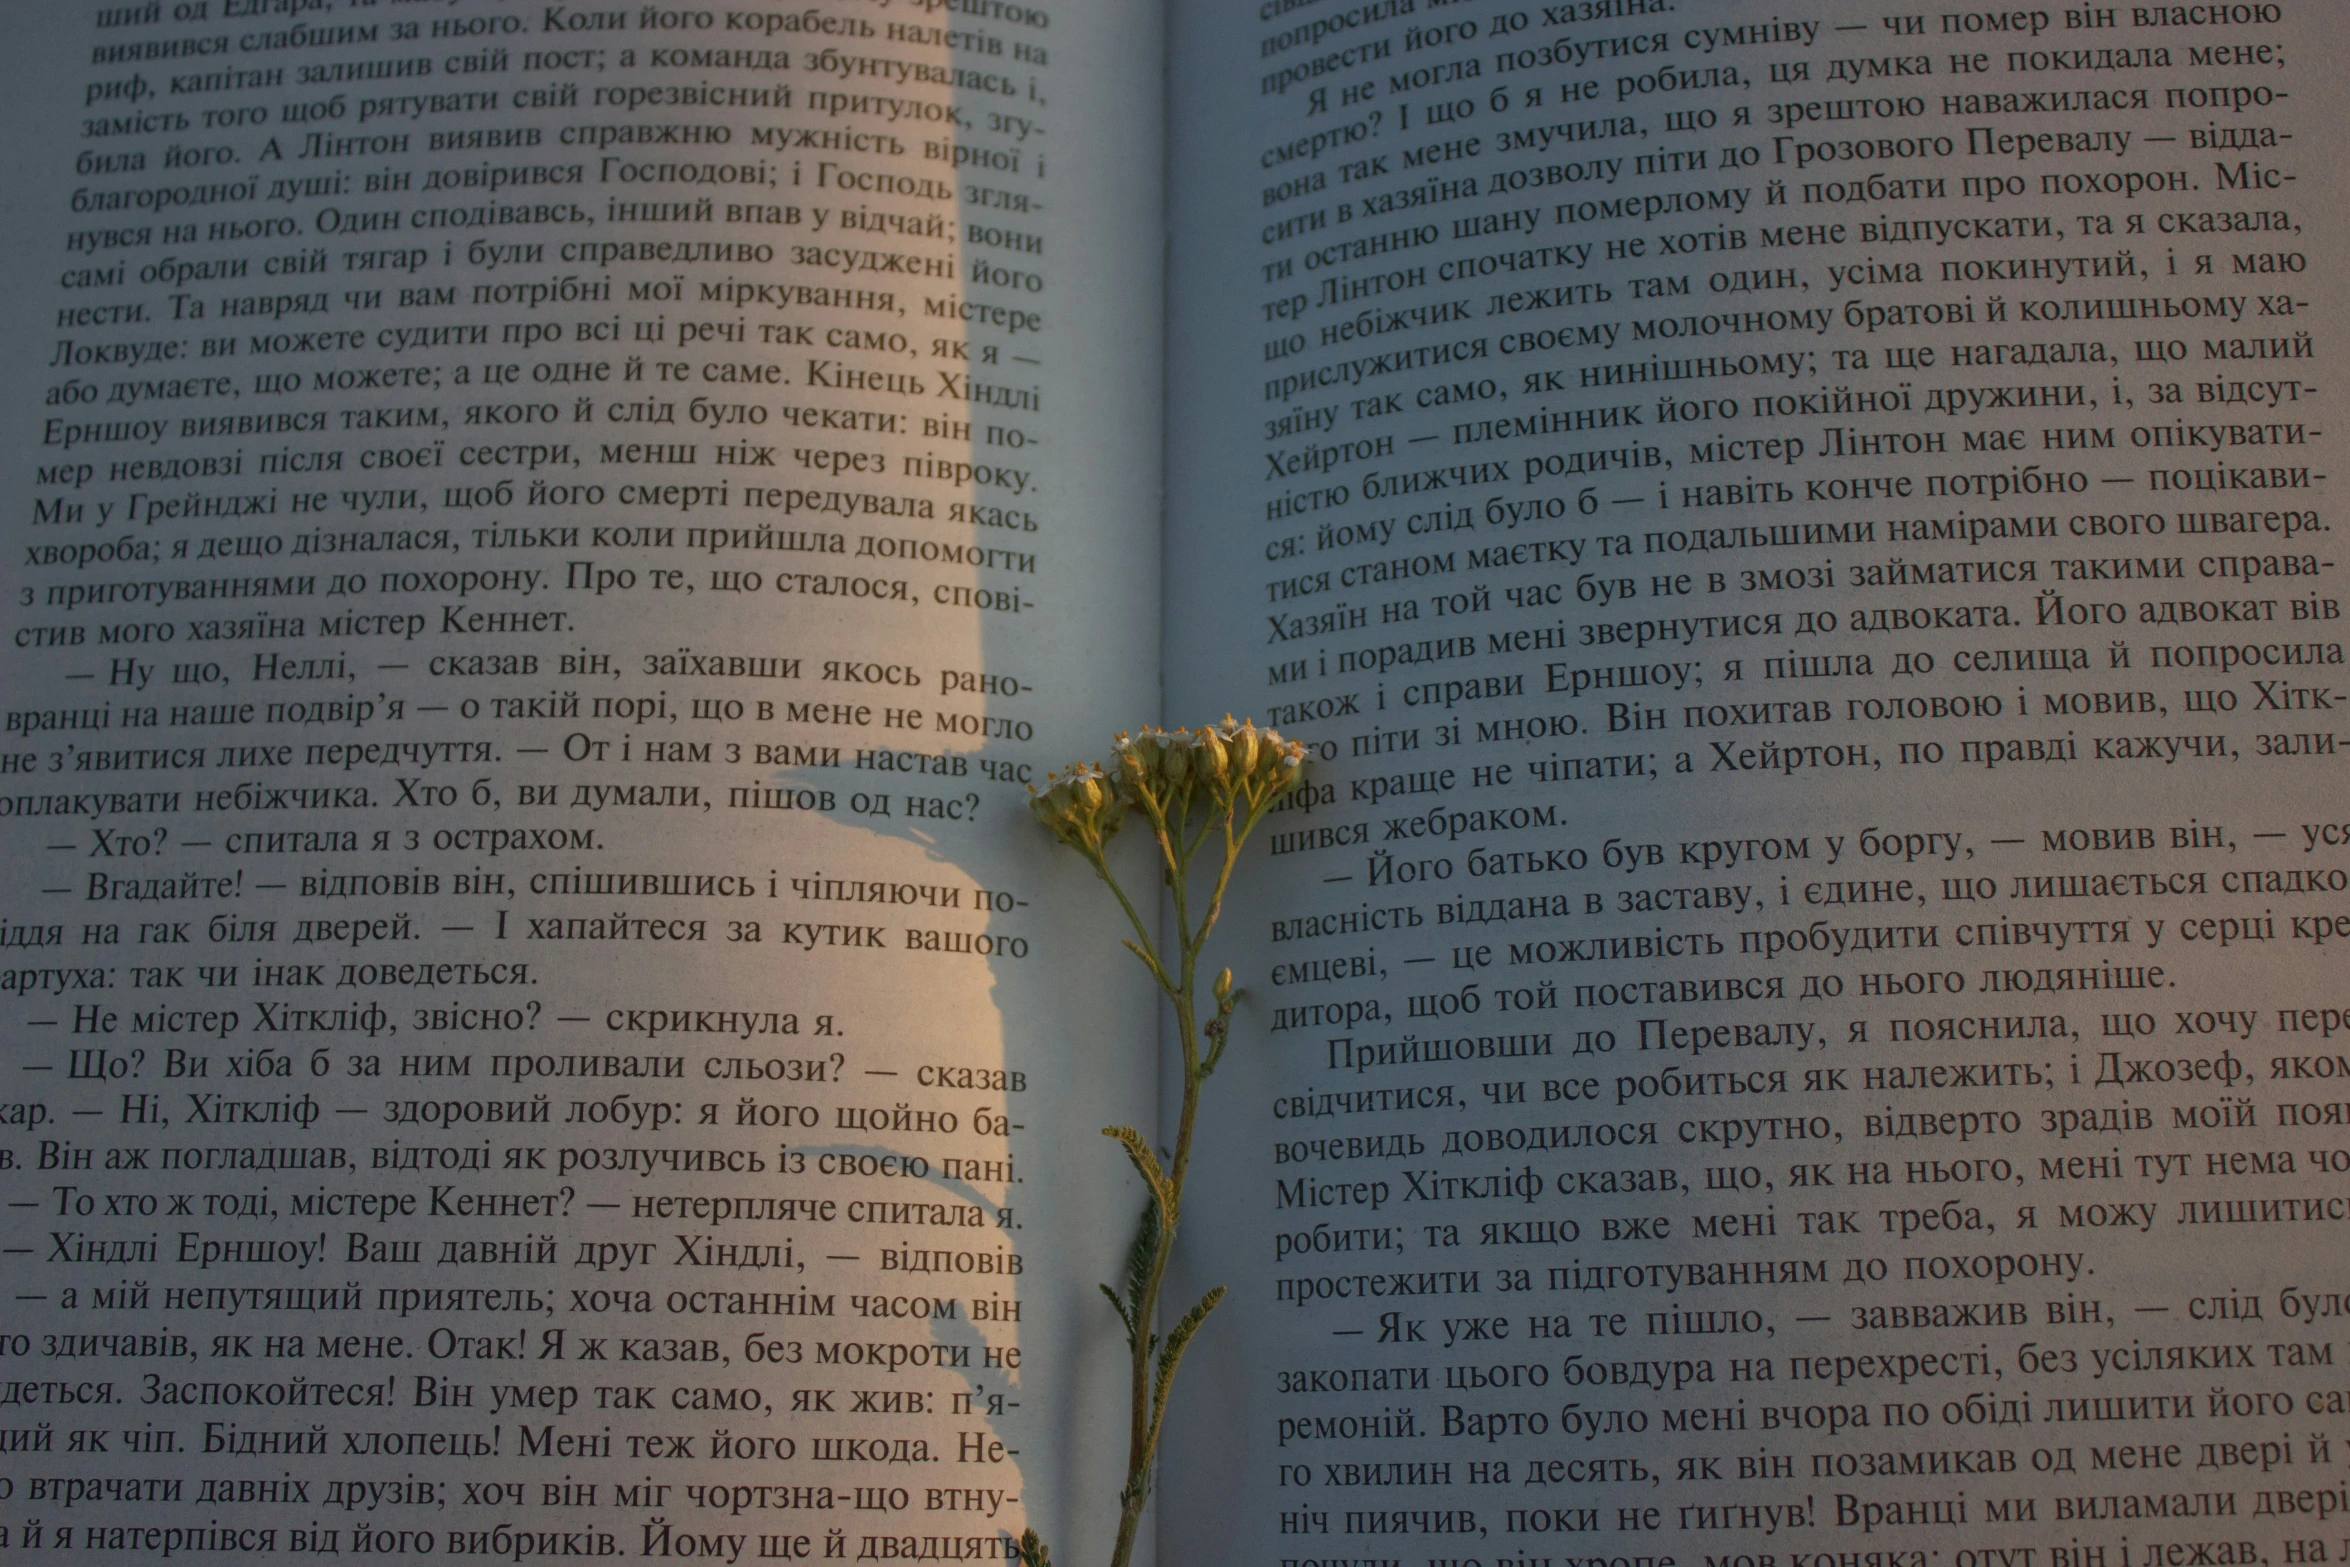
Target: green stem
1178, 848
1144, 945
1143, 1437
1177, 852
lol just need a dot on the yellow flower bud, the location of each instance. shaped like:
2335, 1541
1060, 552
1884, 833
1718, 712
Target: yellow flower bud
1136, 755
1208, 756
1051, 808
1080, 807
1278, 762
1243, 743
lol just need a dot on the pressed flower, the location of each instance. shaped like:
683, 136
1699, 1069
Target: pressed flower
1202, 791
1207, 749
1079, 806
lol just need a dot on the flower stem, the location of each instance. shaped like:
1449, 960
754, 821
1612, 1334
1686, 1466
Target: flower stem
1193, 787
1149, 1412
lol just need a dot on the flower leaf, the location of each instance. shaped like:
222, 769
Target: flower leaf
1119, 1307
1178, 1340
1139, 1258
1146, 1164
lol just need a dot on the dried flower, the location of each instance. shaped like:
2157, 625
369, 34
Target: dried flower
1186, 783
1081, 807
1207, 754
1241, 741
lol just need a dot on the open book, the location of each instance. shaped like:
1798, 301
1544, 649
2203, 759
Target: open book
1797, 1015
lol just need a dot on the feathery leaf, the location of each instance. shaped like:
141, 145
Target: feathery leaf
1119, 1307
1139, 1258
1178, 1340
1180, 1335
1146, 1164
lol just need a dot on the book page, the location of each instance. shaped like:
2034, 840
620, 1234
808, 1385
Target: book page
1796, 1021
551, 542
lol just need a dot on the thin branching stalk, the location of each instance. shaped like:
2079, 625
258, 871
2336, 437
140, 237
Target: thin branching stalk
1201, 792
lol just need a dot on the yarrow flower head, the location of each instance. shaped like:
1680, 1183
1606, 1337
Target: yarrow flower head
1259, 763
1080, 806
1152, 762
1218, 768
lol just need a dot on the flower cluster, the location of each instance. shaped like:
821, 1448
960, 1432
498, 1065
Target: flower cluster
1080, 807
1227, 769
